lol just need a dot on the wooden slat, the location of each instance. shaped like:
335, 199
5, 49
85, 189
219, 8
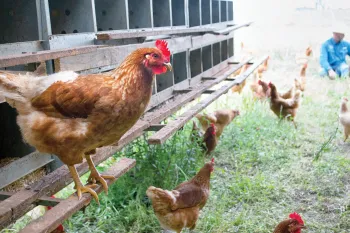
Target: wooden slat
53, 218
44, 200
19, 59
20, 203
232, 28
162, 135
155, 32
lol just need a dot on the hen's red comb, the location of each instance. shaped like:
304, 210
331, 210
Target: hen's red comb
212, 160
162, 45
297, 217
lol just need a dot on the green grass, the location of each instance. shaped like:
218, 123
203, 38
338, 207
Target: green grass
265, 169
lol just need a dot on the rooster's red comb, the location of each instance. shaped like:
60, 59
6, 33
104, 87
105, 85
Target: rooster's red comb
212, 160
297, 217
162, 45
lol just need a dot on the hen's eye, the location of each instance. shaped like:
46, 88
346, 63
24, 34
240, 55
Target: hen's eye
155, 55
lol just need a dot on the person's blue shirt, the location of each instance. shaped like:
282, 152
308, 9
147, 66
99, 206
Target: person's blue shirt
333, 54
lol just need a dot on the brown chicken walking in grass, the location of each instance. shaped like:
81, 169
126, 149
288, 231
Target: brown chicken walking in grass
179, 208
284, 108
292, 225
70, 115
344, 117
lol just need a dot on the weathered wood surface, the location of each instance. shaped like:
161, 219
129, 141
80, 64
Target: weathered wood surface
163, 134
17, 205
44, 200
154, 32
53, 218
31, 57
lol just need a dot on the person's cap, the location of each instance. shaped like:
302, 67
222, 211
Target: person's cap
339, 28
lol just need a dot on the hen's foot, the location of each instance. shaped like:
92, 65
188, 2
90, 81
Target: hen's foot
80, 187
88, 189
95, 176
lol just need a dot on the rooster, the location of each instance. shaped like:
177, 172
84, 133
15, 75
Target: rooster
179, 208
300, 82
71, 115
344, 117
292, 225
284, 108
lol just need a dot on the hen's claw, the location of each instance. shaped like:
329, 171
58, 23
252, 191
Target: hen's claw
95, 176
87, 189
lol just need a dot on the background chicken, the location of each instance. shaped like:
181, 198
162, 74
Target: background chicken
179, 208
303, 57
292, 225
221, 118
71, 115
262, 68
284, 108
210, 139
260, 89
344, 117
300, 82
238, 88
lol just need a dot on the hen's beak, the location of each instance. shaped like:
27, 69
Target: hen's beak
168, 65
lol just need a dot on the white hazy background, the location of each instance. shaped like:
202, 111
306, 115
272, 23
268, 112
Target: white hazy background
288, 24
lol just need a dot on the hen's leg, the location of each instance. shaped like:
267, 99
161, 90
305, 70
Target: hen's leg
95, 175
80, 187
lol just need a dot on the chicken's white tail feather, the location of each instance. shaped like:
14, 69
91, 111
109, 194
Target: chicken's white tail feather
25, 87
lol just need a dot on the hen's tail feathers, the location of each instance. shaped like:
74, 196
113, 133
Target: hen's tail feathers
22, 88
162, 200
10, 87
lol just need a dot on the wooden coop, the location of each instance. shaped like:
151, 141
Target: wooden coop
91, 36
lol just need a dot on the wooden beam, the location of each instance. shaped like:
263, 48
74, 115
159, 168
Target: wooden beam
237, 62
20, 203
44, 200
54, 217
154, 32
230, 29
31, 57
213, 78
162, 135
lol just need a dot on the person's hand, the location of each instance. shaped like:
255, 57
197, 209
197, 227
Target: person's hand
332, 74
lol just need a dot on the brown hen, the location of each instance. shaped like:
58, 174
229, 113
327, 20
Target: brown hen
179, 208
71, 115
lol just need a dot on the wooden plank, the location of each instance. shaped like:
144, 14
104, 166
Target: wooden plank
32, 57
113, 55
232, 28
44, 200
154, 32
21, 167
53, 218
162, 135
17, 205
